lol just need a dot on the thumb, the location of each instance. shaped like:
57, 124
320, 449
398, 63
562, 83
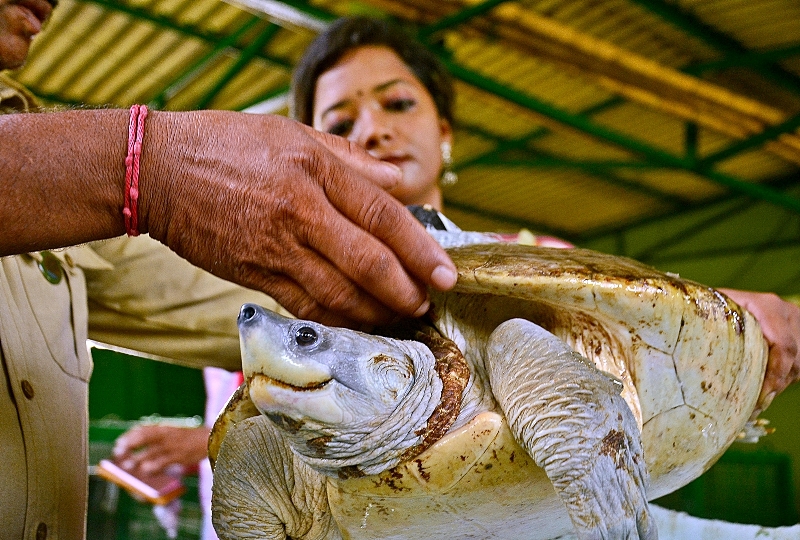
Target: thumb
384, 175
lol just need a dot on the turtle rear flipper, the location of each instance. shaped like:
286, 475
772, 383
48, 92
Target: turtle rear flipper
575, 425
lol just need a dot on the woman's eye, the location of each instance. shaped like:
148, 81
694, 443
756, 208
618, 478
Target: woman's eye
399, 105
305, 336
341, 128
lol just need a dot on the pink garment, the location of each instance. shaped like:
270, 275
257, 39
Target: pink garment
552, 241
526, 237
220, 385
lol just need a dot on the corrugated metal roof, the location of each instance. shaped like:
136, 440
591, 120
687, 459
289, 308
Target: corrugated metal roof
587, 119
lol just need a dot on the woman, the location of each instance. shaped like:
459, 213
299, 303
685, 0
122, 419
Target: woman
367, 81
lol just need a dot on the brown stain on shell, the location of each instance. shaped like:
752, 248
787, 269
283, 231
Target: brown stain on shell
391, 479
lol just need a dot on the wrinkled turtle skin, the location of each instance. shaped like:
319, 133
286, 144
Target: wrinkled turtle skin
537, 443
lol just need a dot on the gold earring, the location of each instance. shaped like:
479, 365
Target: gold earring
449, 178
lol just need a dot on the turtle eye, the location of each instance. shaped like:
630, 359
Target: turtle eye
305, 336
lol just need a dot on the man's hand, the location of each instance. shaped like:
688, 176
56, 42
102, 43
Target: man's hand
780, 322
259, 200
301, 215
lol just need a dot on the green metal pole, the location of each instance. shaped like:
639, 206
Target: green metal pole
247, 54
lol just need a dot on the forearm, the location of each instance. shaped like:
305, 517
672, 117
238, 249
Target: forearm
63, 177
780, 323
63, 174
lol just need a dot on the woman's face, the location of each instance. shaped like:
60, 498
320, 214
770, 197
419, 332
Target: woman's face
372, 98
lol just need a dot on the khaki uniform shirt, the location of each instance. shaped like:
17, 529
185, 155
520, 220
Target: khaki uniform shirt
127, 292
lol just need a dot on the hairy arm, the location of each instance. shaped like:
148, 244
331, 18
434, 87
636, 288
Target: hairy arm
62, 178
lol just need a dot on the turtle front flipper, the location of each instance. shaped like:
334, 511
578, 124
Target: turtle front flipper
238, 408
576, 426
263, 490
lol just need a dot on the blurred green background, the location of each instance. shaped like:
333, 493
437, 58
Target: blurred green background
123, 390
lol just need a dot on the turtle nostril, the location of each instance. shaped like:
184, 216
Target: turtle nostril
248, 312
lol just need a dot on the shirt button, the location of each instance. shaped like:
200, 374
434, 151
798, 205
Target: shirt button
50, 267
69, 261
41, 532
27, 389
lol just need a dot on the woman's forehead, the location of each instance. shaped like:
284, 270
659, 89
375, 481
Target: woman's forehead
360, 71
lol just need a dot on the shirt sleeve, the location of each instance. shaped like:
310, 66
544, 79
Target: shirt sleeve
154, 302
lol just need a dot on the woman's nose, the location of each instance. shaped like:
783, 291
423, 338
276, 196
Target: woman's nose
373, 129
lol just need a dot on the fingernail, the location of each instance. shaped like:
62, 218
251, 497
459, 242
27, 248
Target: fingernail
423, 309
396, 170
768, 399
444, 277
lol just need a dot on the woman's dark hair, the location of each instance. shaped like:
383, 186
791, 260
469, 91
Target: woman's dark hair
349, 33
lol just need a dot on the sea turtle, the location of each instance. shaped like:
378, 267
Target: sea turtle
581, 372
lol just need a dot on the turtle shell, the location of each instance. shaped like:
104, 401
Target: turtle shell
691, 360
476, 482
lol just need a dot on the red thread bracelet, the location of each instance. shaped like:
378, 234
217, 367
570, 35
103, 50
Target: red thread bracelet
135, 136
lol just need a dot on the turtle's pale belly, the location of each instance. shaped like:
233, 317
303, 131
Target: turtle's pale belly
475, 483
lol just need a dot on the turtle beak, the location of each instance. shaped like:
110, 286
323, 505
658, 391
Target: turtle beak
263, 338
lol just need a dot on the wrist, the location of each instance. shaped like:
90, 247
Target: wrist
176, 170
160, 152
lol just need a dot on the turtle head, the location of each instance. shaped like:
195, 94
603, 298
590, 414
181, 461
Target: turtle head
332, 391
